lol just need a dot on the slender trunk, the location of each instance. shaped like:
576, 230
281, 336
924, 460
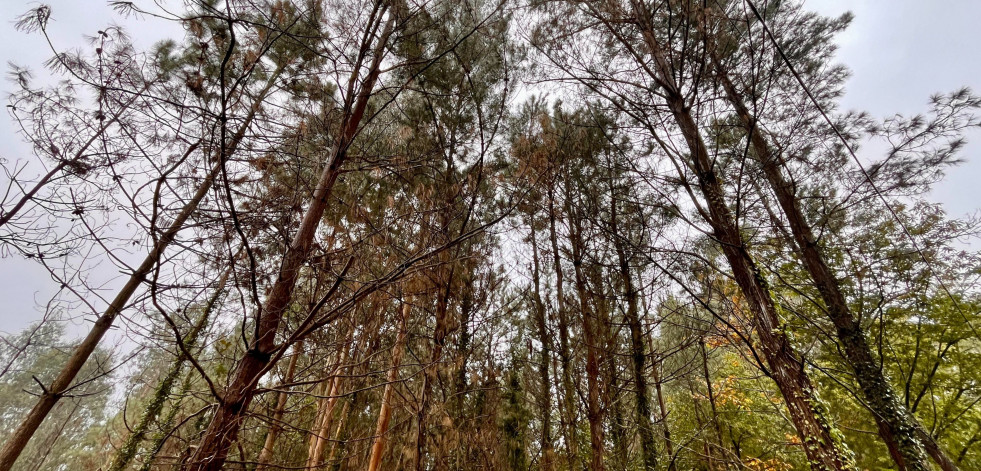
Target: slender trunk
897, 427
565, 355
662, 407
322, 389
321, 429
706, 448
619, 437
62, 383
594, 340
431, 371
545, 398
463, 417
234, 403
711, 399
275, 426
385, 411
323, 433
638, 354
162, 393
160, 438
335, 442
822, 447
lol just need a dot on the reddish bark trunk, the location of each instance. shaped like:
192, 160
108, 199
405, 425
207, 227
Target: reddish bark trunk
385, 412
235, 401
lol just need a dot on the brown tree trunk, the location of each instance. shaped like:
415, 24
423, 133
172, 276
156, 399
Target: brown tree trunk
162, 393
431, 371
545, 399
335, 442
662, 406
594, 342
565, 355
897, 427
717, 427
823, 449
385, 412
321, 428
275, 426
234, 403
62, 383
638, 354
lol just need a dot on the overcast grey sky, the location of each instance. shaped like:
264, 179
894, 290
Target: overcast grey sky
900, 52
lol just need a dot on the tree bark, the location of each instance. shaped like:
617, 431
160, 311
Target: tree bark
638, 354
594, 340
321, 428
275, 426
541, 322
565, 355
668, 445
235, 401
821, 445
385, 411
132, 445
62, 383
896, 426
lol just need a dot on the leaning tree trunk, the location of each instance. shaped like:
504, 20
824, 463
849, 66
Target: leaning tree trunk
162, 393
234, 403
62, 383
896, 426
821, 444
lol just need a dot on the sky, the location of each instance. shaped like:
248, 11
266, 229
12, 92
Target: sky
900, 52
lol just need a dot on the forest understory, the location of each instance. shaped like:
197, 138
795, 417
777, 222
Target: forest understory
482, 235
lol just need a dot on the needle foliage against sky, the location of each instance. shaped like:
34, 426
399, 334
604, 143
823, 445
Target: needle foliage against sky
900, 52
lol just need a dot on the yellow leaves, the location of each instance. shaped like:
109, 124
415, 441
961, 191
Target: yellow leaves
715, 341
728, 395
772, 464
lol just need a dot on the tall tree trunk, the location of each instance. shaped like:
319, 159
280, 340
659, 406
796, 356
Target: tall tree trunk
594, 342
430, 373
662, 406
896, 426
234, 403
541, 322
319, 435
322, 390
62, 383
335, 443
150, 414
821, 445
565, 355
712, 405
275, 426
385, 411
638, 353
